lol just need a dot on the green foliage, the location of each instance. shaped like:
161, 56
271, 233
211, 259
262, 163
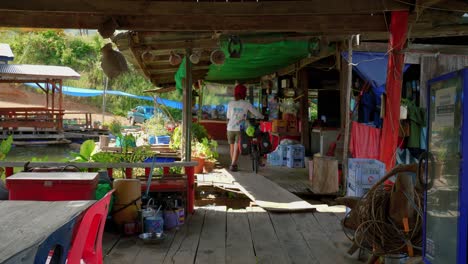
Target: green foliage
40, 159
82, 53
156, 125
115, 127
5, 147
206, 148
198, 133
176, 138
86, 151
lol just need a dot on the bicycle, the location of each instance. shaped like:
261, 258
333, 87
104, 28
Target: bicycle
255, 147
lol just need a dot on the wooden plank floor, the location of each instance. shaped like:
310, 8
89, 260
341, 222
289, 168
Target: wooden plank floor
216, 234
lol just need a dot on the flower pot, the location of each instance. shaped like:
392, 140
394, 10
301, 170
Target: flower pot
209, 166
201, 163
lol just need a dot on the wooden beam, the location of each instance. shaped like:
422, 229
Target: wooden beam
168, 66
170, 45
154, 71
176, 8
161, 90
322, 24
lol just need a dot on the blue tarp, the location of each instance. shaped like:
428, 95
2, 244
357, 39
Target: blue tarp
372, 67
84, 92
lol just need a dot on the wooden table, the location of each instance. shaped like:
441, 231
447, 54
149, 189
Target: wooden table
26, 225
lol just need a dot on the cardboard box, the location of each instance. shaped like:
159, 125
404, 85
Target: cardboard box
279, 126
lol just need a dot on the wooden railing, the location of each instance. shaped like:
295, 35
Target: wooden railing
36, 117
85, 120
166, 183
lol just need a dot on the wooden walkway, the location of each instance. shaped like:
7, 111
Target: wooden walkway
252, 235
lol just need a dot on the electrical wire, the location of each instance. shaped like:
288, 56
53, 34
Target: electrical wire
377, 233
431, 7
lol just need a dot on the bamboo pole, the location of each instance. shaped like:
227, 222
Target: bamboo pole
346, 116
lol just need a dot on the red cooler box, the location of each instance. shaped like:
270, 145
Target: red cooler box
52, 186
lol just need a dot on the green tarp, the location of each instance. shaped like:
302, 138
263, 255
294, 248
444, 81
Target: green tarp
256, 60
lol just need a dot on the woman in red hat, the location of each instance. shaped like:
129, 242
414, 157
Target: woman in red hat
236, 114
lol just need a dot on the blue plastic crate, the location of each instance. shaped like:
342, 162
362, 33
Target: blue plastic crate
162, 140
283, 153
296, 152
295, 163
159, 159
274, 159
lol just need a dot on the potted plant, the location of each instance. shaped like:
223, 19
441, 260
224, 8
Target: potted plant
209, 150
199, 156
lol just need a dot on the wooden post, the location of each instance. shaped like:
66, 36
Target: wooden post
110, 172
303, 87
8, 171
200, 101
349, 83
166, 170
187, 108
128, 173
61, 110
147, 171
53, 95
190, 172
46, 85
104, 99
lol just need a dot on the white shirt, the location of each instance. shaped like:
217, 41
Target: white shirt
237, 113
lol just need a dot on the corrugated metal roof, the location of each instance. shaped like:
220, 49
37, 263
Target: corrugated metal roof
36, 72
5, 52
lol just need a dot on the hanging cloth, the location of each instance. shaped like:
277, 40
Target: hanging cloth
365, 141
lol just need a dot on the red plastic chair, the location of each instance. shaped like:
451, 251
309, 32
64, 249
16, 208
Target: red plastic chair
87, 244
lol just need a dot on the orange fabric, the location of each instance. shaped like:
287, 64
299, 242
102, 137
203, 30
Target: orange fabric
391, 123
365, 141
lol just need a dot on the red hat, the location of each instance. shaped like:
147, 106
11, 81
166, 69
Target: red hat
240, 91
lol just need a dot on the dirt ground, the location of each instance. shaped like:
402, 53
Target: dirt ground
16, 95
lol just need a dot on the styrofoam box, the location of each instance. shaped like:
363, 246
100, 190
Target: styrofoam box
365, 172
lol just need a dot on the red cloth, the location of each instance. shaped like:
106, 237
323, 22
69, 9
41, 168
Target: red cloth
391, 123
365, 141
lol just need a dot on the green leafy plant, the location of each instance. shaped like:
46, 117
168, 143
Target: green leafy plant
86, 151
115, 127
208, 148
5, 147
198, 133
156, 125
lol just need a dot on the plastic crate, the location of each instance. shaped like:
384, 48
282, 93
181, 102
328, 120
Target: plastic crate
365, 172
295, 163
52, 186
296, 152
159, 159
274, 159
162, 140
283, 152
